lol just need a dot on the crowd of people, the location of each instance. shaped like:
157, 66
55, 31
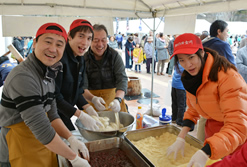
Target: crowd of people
80, 72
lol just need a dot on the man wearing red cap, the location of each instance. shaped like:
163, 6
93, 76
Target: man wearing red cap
31, 127
69, 82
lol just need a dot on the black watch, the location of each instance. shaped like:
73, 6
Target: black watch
119, 99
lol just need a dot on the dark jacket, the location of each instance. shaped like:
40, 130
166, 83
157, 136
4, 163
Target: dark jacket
5, 67
69, 86
170, 47
106, 73
17, 44
222, 47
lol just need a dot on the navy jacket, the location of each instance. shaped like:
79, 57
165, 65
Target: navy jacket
69, 86
222, 47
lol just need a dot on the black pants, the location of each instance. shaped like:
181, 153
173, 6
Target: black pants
178, 105
119, 45
149, 61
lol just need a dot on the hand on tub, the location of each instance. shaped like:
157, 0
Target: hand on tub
91, 111
115, 105
79, 162
76, 145
89, 122
98, 103
177, 146
199, 159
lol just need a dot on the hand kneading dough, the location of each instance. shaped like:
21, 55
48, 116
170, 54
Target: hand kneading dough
154, 148
108, 126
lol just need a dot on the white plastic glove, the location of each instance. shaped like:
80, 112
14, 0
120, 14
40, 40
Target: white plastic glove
76, 145
115, 105
178, 145
90, 110
199, 159
98, 103
79, 162
89, 122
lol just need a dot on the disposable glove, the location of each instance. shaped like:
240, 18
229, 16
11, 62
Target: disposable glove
89, 122
76, 145
90, 110
79, 162
178, 145
199, 159
115, 105
98, 103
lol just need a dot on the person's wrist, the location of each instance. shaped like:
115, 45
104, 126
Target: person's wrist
119, 99
93, 98
81, 115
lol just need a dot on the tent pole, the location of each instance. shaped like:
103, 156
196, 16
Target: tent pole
153, 56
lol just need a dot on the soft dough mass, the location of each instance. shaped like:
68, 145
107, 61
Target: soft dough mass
154, 148
108, 126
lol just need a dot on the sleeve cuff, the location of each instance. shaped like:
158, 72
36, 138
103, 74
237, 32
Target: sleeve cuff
207, 149
189, 124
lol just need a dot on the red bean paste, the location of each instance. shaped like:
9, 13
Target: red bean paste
110, 158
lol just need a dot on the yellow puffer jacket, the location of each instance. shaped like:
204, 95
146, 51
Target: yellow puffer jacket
138, 52
223, 101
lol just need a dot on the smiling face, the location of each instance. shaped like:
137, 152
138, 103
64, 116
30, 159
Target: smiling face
49, 48
191, 63
99, 44
80, 43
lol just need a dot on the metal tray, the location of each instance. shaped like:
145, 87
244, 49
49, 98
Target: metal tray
116, 142
155, 132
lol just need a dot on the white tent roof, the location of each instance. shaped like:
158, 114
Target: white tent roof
28, 15
117, 8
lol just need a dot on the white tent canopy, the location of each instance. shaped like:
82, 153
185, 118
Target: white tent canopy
27, 15
117, 8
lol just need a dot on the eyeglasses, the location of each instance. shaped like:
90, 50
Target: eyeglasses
96, 40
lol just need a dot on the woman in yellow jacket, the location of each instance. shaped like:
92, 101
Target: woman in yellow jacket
138, 57
216, 91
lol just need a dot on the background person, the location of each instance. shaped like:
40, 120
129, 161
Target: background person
162, 54
119, 39
148, 48
129, 47
106, 77
178, 96
217, 41
17, 42
170, 66
70, 81
215, 90
138, 57
31, 127
241, 61
5, 67
113, 43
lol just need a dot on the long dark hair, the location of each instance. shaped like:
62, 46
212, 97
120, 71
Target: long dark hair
220, 63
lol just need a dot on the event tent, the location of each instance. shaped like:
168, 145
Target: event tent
27, 15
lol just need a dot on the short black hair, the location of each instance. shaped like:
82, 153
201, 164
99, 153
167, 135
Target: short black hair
217, 24
161, 34
50, 28
98, 27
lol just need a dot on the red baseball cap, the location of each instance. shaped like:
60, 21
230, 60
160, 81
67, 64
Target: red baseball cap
45, 29
80, 22
186, 44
